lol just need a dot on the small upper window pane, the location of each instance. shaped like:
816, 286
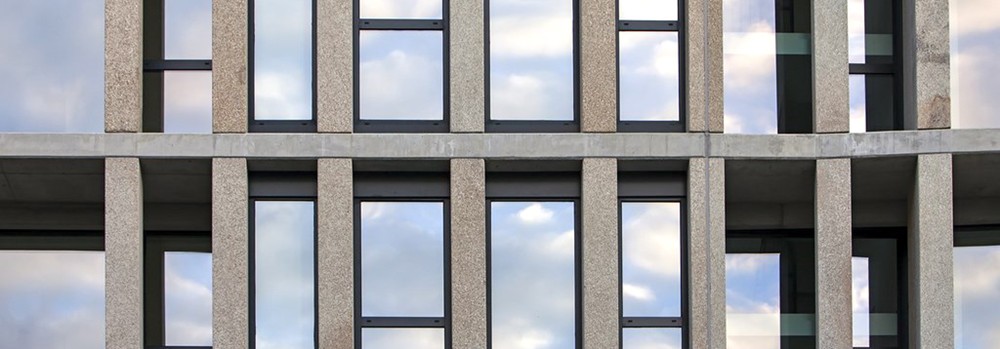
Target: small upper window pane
651, 338
410, 338
870, 28
649, 76
647, 10
410, 9
187, 290
651, 259
187, 29
187, 102
282, 58
401, 75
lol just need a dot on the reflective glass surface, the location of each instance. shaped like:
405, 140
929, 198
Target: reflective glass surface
977, 289
187, 290
533, 278
411, 9
875, 291
860, 299
651, 338
647, 10
394, 338
284, 237
282, 60
859, 113
187, 102
401, 75
187, 29
648, 76
51, 299
753, 310
651, 259
975, 44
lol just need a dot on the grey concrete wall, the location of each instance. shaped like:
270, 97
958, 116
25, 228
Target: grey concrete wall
122, 65
468, 253
123, 246
468, 65
598, 66
230, 69
704, 66
931, 241
601, 315
707, 253
334, 66
230, 257
932, 66
335, 253
831, 93
833, 254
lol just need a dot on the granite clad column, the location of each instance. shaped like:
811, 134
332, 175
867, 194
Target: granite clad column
230, 68
122, 66
833, 254
598, 66
831, 106
334, 66
335, 253
468, 253
123, 246
706, 318
931, 241
601, 314
468, 65
230, 257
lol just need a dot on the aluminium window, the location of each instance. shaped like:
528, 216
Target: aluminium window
879, 288
876, 103
283, 65
975, 44
178, 283
977, 286
650, 73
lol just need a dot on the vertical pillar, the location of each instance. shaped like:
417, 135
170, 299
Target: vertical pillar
335, 253
931, 241
468, 65
230, 68
931, 49
335, 66
230, 255
123, 245
704, 89
598, 66
468, 253
833, 254
707, 253
831, 106
601, 316
123, 66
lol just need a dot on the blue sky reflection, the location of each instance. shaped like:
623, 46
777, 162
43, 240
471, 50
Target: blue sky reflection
651, 261
187, 288
283, 247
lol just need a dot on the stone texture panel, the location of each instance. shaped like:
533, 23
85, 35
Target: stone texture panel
230, 88
933, 69
334, 66
707, 253
704, 66
598, 66
930, 242
833, 253
123, 246
122, 65
601, 313
468, 253
831, 107
468, 65
230, 257
335, 253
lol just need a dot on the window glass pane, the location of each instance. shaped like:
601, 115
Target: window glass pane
876, 294
858, 112
651, 259
873, 103
52, 71
394, 338
975, 44
856, 30
977, 289
401, 75
187, 102
870, 31
860, 297
651, 338
531, 60
533, 279
187, 29
282, 58
187, 289
647, 10
284, 237
402, 259
52, 299
648, 74
753, 310
426, 9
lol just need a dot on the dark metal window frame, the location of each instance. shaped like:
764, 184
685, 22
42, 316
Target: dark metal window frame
156, 245
895, 69
530, 126
154, 65
400, 125
902, 273
271, 126
675, 26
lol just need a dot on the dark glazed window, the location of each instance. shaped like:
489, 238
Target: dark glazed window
875, 102
178, 283
282, 59
649, 66
879, 290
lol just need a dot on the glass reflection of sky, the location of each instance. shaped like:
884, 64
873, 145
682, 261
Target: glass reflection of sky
402, 259
752, 301
395, 338
860, 302
187, 29
975, 44
283, 270
749, 67
411, 9
52, 66
187, 102
282, 59
401, 75
51, 299
859, 121
531, 60
651, 338
648, 76
187, 289
977, 289
532, 275
651, 268
647, 10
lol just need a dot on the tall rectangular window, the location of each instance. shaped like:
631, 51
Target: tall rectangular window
975, 44
650, 73
282, 56
873, 83
532, 66
977, 287
878, 288
178, 283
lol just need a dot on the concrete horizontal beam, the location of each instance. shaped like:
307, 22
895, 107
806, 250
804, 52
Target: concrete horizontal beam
500, 146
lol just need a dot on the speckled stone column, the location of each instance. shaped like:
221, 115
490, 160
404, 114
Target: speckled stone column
468, 65
707, 253
931, 241
122, 65
601, 315
123, 245
334, 66
833, 254
704, 66
468, 253
335, 253
230, 69
831, 104
598, 66
933, 68
230, 258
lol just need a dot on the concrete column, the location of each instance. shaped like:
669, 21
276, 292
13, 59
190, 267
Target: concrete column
707, 253
468, 253
230, 257
601, 316
230, 69
931, 241
123, 245
335, 66
335, 253
123, 66
932, 66
831, 106
468, 65
833, 254
598, 66
704, 66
